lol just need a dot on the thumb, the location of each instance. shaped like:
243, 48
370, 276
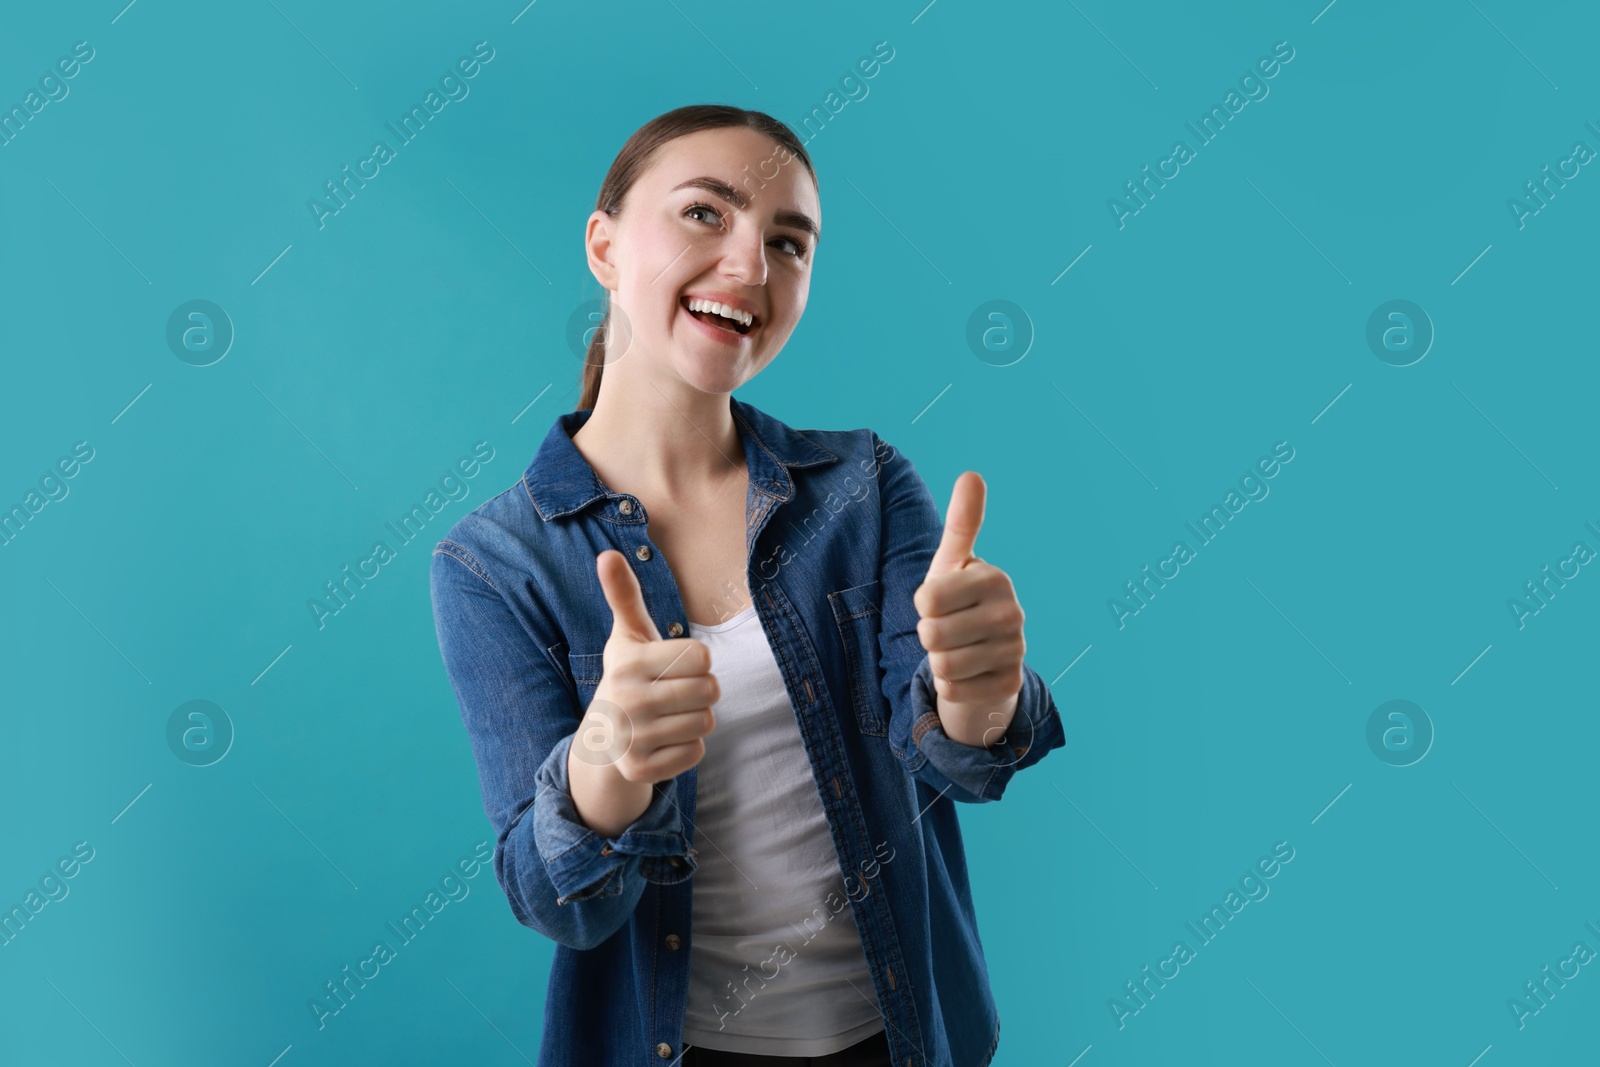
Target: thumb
961, 524
629, 616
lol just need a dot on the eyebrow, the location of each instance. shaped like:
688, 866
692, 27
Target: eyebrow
716, 186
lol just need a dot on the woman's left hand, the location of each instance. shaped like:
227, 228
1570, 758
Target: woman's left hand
971, 627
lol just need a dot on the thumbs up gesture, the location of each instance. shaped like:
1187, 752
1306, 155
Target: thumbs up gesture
653, 704
971, 627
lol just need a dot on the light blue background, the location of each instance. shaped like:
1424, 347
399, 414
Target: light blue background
430, 312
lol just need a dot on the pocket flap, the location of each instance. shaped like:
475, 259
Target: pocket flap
857, 600
586, 666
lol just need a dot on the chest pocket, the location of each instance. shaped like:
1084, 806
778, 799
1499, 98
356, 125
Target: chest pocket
586, 670
857, 615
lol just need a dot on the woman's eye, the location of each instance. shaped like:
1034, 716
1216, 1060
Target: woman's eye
799, 249
701, 207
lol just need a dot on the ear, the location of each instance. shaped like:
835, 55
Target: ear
597, 246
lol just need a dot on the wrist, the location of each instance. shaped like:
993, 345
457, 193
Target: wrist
979, 725
605, 801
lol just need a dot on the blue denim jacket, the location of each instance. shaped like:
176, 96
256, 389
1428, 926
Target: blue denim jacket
839, 534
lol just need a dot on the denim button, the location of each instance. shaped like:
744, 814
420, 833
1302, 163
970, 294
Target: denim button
673, 941
643, 552
664, 1050
675, 630
626, 507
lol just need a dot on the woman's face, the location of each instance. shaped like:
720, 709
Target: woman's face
723, 215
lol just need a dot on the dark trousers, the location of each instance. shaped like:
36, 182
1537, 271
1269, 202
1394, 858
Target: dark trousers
868, 1052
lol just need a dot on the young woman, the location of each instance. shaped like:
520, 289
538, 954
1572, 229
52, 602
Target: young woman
725, 679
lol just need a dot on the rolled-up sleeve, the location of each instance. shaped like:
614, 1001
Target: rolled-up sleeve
559, 877
910, 534
979, 774
581, 864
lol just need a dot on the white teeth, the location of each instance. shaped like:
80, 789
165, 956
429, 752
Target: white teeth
742, 317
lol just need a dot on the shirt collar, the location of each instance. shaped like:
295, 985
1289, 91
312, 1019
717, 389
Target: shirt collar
560, 481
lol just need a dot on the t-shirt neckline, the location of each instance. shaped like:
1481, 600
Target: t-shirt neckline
726, 624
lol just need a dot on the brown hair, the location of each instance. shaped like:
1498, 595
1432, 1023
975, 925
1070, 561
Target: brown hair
632, 161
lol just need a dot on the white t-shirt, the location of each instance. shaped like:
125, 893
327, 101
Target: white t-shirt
775, 960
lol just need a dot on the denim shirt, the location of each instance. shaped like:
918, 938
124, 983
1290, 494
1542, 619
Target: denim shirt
839, 533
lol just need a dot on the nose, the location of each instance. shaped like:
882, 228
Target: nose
744, 257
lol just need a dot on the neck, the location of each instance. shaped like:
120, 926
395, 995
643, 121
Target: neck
660, 438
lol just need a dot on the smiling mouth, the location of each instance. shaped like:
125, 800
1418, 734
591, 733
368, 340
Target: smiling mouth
721, 323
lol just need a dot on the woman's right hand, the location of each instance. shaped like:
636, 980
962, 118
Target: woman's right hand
653, 704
